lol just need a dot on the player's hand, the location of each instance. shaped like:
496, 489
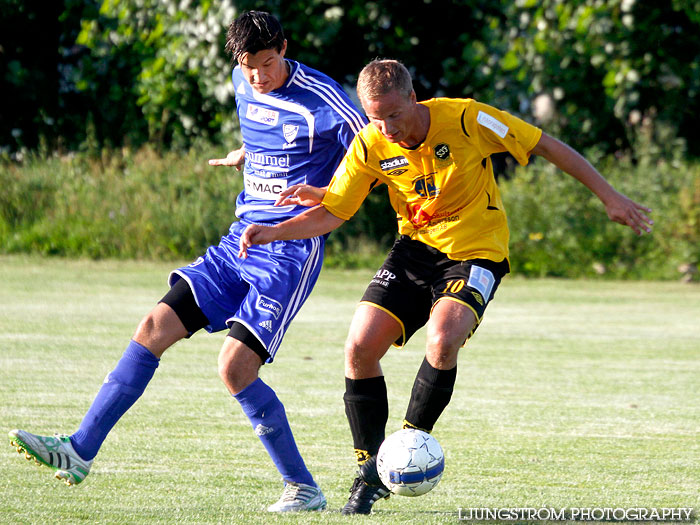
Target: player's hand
625, 211
234, 158
254, 234
302, 195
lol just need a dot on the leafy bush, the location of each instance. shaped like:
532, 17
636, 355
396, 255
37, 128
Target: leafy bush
145, 204
124, 205
132, 71
559, 228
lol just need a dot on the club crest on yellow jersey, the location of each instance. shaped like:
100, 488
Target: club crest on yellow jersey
442, 151
425, 186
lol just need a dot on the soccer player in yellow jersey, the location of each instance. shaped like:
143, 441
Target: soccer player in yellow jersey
434, 157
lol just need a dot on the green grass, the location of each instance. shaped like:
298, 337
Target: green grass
571, 394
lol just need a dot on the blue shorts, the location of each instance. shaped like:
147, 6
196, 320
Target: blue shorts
263, 292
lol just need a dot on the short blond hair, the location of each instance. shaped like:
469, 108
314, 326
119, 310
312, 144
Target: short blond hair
380, 76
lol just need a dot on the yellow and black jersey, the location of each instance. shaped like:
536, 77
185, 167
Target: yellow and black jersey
443, 190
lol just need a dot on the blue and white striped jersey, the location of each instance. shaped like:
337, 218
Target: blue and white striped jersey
295, 134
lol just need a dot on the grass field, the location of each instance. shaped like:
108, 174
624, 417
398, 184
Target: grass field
571, 394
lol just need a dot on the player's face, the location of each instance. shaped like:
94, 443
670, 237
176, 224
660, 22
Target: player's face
265, 70
395, 115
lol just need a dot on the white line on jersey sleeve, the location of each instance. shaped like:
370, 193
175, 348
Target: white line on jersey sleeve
332, 98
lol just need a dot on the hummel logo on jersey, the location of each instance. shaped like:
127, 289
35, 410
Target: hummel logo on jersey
267, 161
392, 163
267, 325
262, 115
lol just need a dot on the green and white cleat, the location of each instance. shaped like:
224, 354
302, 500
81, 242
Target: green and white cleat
299, 497
55, 452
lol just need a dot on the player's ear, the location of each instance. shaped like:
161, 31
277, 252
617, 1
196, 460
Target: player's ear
283, 50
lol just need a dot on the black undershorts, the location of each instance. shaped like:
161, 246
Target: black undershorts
181, 299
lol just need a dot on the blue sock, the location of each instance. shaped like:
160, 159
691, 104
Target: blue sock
122, 387
266, 414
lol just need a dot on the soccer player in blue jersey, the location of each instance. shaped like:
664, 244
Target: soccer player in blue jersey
296, 124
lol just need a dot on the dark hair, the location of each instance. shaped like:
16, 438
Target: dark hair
253, 31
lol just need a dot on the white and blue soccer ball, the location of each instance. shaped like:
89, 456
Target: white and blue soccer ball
410, 462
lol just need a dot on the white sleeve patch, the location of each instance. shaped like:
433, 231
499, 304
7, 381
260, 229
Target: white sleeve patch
498, 127
482, 280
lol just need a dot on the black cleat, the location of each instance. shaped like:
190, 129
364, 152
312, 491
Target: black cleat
369, 473
366, 489
363, 496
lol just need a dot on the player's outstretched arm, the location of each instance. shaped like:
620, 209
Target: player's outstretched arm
234, 158
619, 207
312, 223
302, 195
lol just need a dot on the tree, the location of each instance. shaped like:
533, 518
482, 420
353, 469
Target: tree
169, 60
131, 71
29, 43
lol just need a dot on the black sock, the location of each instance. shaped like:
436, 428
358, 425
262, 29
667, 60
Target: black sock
431, 393
367, 409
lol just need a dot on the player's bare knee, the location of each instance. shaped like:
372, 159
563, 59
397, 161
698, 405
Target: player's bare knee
442, 361
350, 348
442, 350
355, 352
235, 378
146, 328
353, 364
159, 329
149, 334
238, 365
223, 365
361, 360
226, 362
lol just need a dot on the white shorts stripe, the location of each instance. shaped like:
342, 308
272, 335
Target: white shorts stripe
299, 296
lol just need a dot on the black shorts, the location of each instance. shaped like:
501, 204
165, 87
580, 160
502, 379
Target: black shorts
415, 276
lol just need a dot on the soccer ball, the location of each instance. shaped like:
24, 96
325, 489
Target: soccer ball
410, 462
